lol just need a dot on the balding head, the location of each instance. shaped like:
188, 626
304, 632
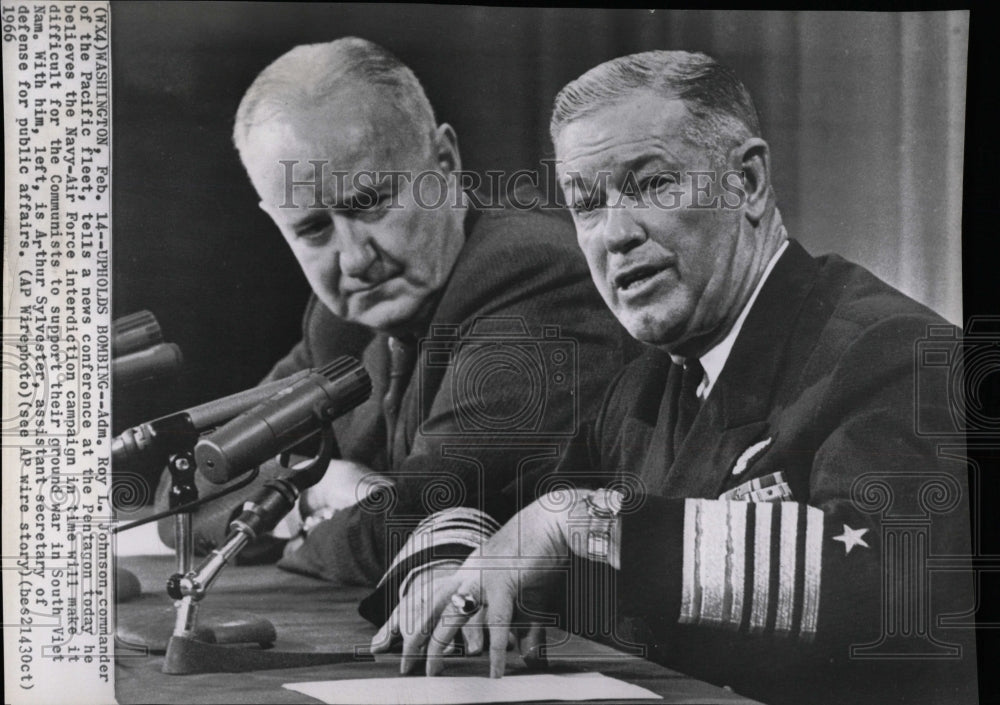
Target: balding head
341, 145
313, 75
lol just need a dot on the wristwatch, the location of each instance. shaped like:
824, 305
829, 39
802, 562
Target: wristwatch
603, 507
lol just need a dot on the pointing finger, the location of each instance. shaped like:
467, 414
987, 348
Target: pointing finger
472, 633
447, 627
498, 619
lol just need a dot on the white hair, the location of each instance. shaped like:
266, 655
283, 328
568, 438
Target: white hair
721, 107
311, 74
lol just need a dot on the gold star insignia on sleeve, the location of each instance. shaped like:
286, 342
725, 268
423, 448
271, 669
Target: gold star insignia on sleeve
851, 538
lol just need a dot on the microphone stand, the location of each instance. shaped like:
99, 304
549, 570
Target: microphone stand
183, 491
226, 627
171, 440
188, 651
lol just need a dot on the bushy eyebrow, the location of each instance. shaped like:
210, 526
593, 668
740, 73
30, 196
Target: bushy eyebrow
313, 216
350, 196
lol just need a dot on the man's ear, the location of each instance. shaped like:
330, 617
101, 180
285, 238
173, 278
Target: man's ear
753, 160
446, 148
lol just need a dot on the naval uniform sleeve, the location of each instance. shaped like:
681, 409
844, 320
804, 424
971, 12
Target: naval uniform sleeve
446, 537
823, 570
755, 568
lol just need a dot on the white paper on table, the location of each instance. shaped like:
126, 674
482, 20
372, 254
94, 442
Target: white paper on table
453, 690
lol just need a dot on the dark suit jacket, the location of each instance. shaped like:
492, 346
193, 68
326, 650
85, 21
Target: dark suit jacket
517, 354
820, 386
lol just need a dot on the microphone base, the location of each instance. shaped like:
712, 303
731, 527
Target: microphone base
151, 628
186, 656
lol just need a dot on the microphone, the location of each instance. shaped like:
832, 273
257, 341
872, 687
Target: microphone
161, 360
295, 413
136, 331
153, 442
138, 353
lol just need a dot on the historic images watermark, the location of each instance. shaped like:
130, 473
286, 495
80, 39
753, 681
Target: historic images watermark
954, 418
314, 184
502, 379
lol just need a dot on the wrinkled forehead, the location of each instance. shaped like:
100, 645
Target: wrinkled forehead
353, 130
638, 126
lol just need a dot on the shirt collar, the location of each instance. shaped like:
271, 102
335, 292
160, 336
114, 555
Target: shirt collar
715, 359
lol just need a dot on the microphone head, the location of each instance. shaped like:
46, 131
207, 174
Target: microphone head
293, 414
161, 361
136, 331
350, 384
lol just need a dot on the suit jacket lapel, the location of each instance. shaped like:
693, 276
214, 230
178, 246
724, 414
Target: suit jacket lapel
734, 415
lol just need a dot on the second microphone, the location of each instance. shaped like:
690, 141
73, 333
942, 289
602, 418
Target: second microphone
290, 416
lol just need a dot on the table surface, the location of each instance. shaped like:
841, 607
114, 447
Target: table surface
311, 615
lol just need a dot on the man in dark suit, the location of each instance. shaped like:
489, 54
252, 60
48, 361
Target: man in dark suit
765, 504
478, 322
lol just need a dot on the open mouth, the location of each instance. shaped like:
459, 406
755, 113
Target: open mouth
636, 277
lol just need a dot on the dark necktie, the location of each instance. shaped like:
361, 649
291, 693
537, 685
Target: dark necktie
688, 404
402, 356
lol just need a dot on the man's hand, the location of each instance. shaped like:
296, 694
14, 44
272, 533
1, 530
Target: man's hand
419, 602
526, 556
345, 484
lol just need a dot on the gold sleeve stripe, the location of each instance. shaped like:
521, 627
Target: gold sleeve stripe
714, 563
690, 593
711, 559
736, 554
749, 566
761, 567
786, 581
813, 569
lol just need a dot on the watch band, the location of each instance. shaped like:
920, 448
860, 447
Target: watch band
603, 507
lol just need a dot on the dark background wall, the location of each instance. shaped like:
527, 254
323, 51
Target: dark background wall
864, 113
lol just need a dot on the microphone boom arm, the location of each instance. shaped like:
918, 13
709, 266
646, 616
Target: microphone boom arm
260, 515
